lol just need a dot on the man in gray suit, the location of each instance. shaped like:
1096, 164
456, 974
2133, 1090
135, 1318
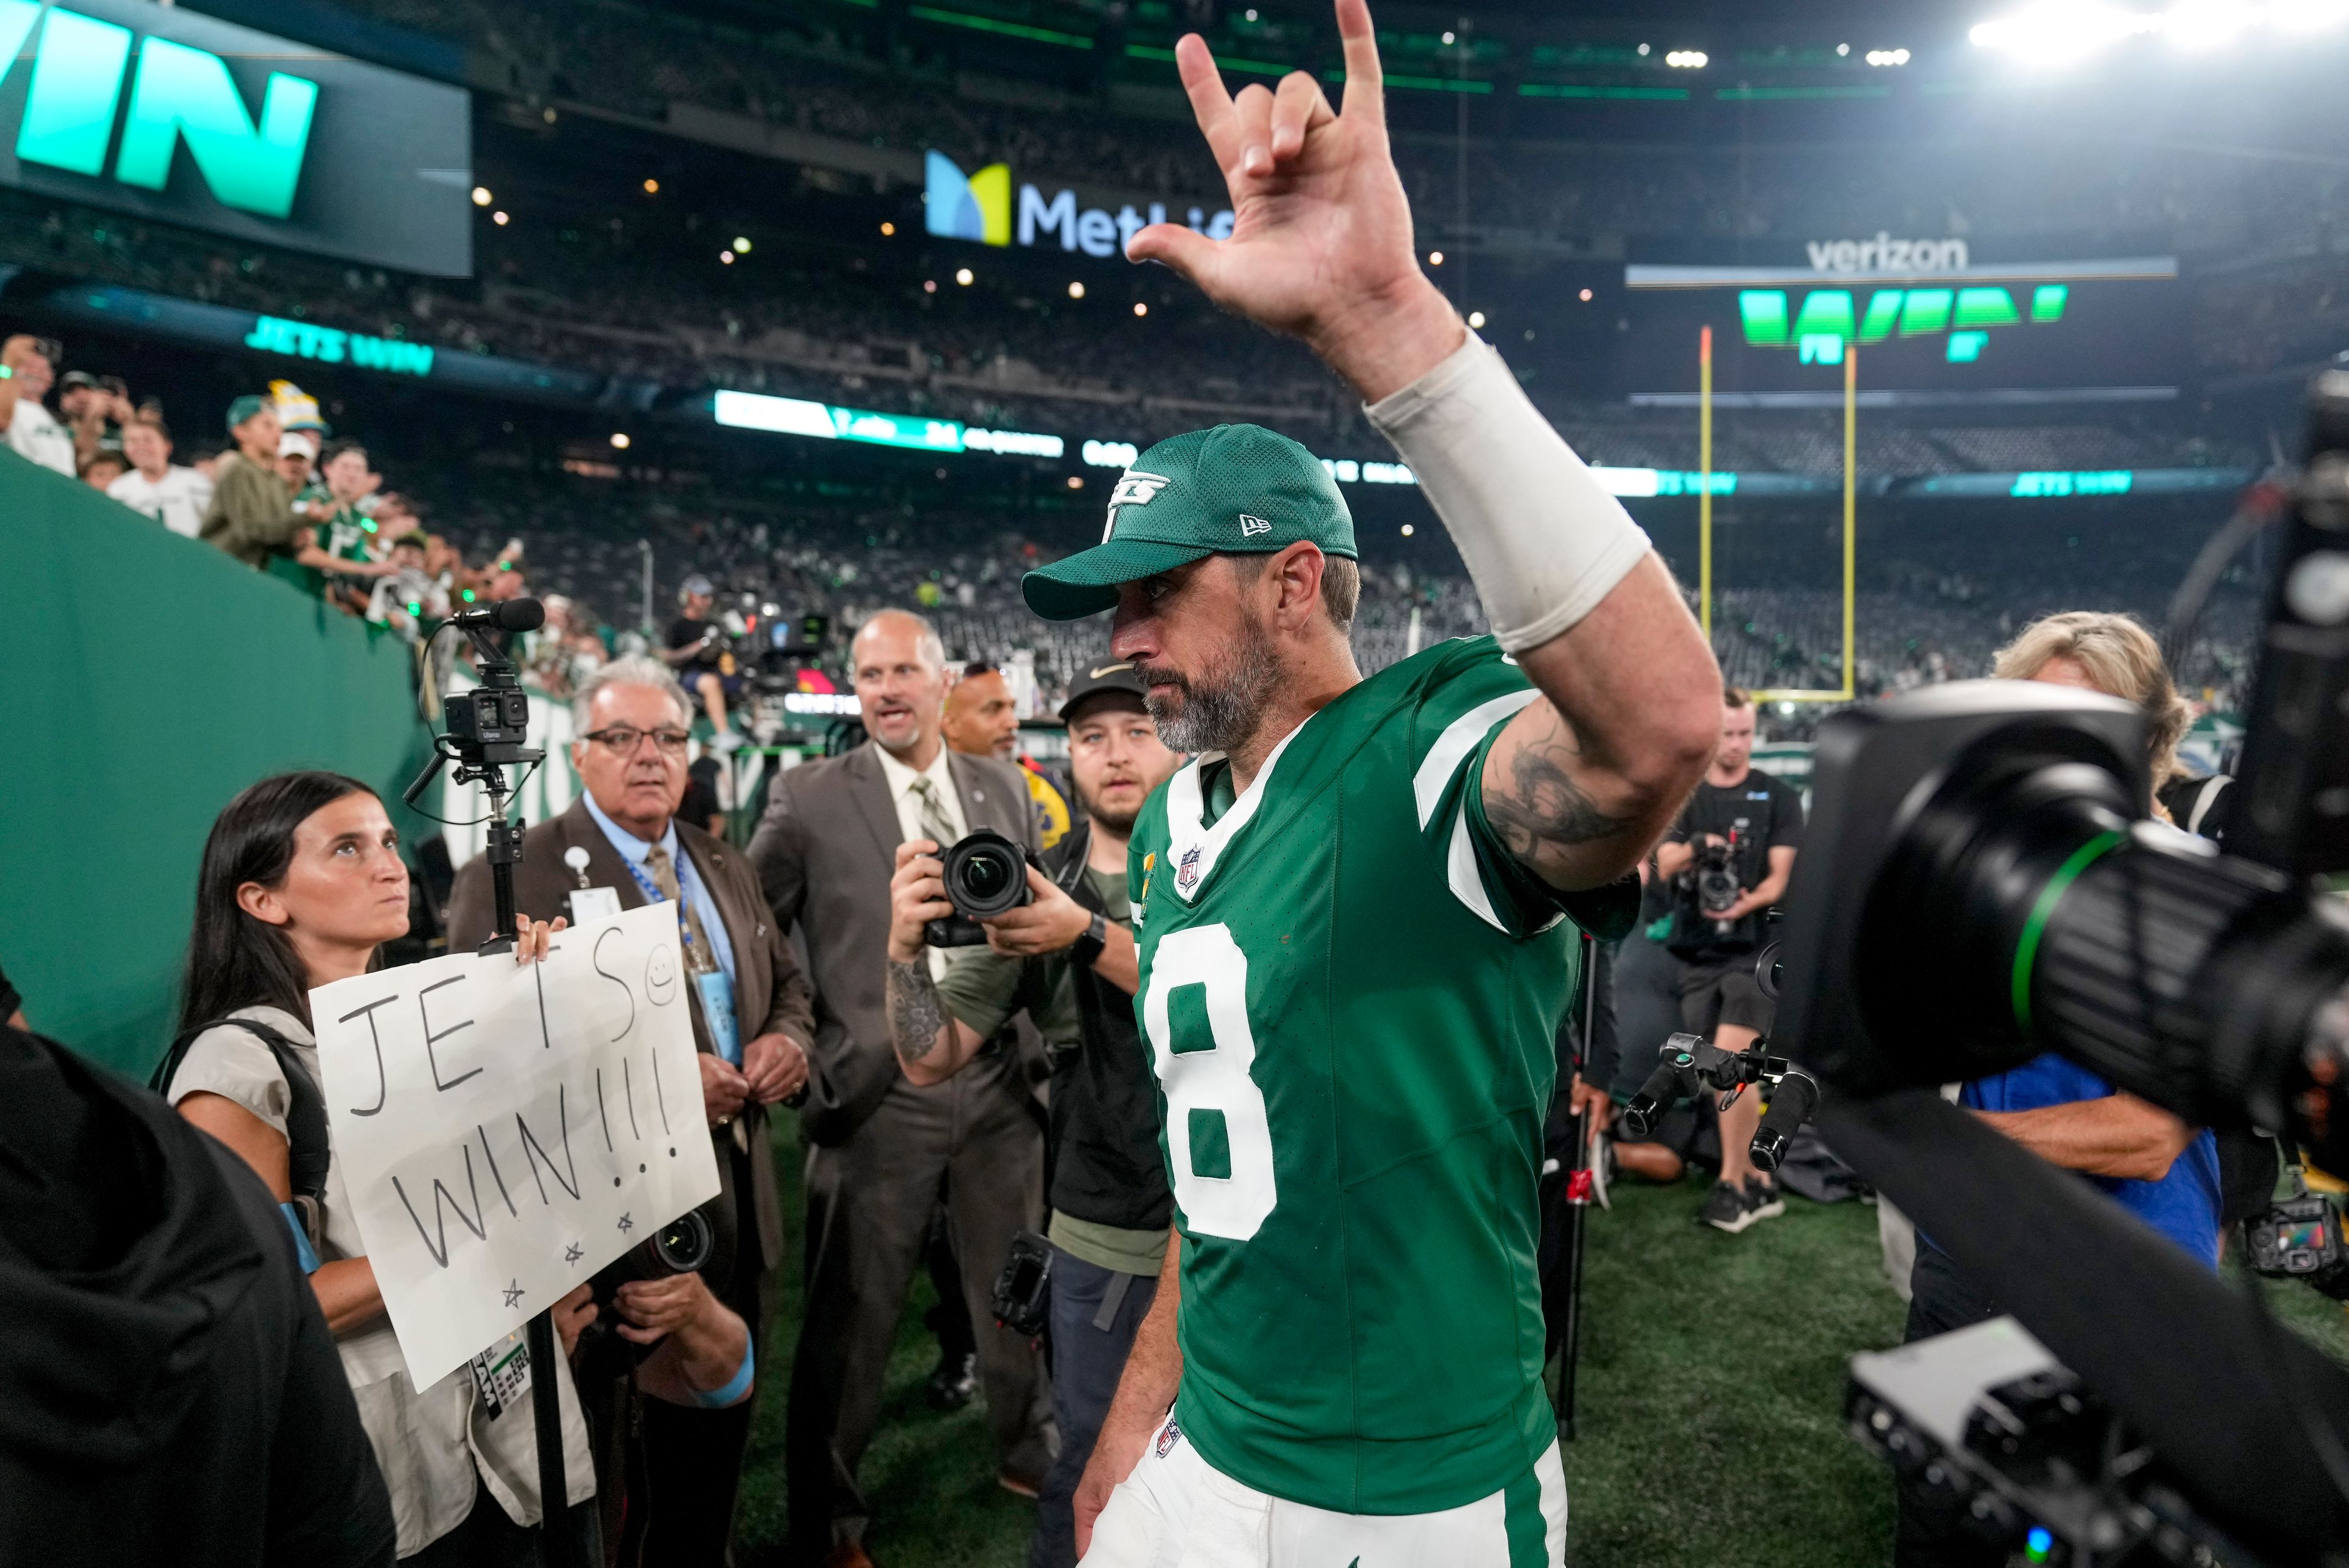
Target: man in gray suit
877, 1145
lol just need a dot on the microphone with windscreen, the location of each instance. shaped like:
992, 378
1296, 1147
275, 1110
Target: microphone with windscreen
512, 615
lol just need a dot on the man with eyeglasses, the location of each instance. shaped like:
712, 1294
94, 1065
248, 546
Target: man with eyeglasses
622, 844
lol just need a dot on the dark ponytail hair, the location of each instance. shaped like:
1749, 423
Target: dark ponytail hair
233, 960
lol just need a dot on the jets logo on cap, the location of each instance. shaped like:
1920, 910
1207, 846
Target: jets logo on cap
1251, 526
1133, 489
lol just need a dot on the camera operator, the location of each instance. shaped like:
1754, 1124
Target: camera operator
620, 846
301, 884
2146, 1159
697, 650
1068, 958
1742, 827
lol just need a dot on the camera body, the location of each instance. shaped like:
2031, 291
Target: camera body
2300, 1237
1022, 1300
488, 724
1714, 875
985, 874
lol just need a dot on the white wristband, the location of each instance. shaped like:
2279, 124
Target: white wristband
1543, 540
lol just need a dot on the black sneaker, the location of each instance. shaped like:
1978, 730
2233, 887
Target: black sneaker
1732, 1210
954, 1382
1724, 1209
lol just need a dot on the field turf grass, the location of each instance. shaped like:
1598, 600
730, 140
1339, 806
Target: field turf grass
1709, 1398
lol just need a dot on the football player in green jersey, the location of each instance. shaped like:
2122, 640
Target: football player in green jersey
1353, 905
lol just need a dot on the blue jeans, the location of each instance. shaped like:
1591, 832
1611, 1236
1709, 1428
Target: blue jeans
1095, 1314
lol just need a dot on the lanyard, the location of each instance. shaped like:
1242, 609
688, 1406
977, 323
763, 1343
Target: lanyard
653, 893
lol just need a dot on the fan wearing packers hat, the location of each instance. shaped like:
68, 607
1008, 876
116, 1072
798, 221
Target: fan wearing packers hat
1355, 907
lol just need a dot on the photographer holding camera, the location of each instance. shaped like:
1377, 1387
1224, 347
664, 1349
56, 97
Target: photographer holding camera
881, 1143
1066, 956
1731, 850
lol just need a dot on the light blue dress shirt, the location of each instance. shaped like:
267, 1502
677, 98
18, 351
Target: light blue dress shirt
633, 851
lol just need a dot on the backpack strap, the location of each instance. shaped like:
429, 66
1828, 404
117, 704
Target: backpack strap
2205, 798
308, 1153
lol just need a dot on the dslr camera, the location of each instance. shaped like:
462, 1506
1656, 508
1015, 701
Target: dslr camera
1715, 876
986, 876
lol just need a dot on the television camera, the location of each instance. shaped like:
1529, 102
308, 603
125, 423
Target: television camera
1982, 886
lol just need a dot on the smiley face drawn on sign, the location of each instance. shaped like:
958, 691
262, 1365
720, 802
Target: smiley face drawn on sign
660, 976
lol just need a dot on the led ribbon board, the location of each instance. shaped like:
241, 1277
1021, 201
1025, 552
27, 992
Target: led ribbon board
1947, 321
183, 119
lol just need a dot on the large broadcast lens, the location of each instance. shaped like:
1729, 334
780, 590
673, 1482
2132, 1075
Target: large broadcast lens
2023, 908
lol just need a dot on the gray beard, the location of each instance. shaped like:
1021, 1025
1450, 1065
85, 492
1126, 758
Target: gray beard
1220, 709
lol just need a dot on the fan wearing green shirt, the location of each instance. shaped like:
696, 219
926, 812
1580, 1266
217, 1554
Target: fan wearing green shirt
1068, 960
1356, 907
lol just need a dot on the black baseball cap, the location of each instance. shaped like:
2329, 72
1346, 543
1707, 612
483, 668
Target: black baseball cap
1119, 680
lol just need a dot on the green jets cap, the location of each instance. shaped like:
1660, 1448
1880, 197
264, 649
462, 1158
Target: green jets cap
1231, 490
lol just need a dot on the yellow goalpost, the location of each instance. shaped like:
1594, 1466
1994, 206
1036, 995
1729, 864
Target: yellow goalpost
1850, 512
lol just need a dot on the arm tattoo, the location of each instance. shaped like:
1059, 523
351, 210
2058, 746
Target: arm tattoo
1541, 807
916, 1019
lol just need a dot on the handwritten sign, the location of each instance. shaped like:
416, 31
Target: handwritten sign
506, 1130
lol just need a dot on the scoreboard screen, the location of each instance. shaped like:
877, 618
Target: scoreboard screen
2111, 327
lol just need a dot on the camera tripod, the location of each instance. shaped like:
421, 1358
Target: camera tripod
483, 732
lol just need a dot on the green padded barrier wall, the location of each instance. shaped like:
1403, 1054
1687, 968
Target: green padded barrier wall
147, 678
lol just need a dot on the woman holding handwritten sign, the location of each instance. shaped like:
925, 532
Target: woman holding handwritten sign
301, 884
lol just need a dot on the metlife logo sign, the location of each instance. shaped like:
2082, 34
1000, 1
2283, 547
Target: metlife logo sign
984, 207
181, 117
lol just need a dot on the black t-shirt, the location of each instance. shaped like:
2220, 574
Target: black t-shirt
700, 802
1756, 815
685, 632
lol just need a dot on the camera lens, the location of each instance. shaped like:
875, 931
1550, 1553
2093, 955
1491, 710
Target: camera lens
684, 1243
985, 876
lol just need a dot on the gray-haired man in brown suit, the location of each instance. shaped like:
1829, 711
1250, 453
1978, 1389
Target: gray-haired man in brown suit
619, 845
877, 1145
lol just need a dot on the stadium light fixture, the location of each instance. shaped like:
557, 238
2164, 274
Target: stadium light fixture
500, 219
652, 187
1406, 530
1887, 56
1251, 13
963, 276
1843, 48
1076, 291
1586, 296
1644, 51
1475, 318
1435, 258
741, 246
481, 197
1450, 38
1140, 308
887, 228
1687, 59
929, 285
1076, 482
726, 259
619, 440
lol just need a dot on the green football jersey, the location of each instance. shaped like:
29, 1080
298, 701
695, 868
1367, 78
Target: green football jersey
1351, 993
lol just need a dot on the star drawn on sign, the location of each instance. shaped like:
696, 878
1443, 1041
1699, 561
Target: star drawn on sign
571, 1254
626, 1223
513, 1292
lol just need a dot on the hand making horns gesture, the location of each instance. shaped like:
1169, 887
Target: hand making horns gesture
1321, 242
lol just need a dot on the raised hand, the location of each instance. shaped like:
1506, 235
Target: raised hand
1321, 242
